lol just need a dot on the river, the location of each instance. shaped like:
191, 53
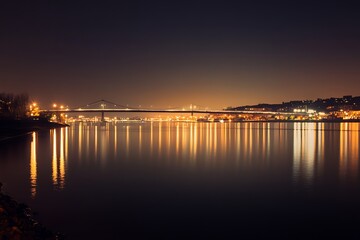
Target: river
183, 180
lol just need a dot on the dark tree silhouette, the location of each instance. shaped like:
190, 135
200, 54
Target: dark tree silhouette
13, 106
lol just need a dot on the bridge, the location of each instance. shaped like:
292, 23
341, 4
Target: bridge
104, 106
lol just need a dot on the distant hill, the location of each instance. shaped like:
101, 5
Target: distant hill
327, 105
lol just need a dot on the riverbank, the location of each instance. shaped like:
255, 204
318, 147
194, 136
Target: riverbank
17, 222
10, 129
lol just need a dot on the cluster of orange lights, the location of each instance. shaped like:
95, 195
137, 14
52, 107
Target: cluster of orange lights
34, 109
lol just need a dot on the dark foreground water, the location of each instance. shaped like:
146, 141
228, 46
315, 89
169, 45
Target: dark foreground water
190, 180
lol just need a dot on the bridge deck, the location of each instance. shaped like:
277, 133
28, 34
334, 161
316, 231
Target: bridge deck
166, 111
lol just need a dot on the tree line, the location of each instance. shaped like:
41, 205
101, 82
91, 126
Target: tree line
14, 106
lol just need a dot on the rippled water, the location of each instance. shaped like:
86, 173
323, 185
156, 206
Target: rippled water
190, 180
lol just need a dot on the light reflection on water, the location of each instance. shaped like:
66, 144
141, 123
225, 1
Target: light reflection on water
33, 165
349, 151
305, 145
59, 157
148, 163
208, 143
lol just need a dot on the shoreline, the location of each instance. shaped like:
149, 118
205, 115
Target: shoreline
12, 129
219, 121
17, 221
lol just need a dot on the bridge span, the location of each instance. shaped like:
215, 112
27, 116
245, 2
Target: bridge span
101, 106
129, 110
192, 111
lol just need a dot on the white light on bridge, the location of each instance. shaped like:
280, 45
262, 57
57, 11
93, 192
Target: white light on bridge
311, 111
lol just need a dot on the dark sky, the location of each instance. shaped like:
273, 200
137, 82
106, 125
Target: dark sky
174, 53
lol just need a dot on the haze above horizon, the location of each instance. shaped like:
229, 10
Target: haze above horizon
177, 53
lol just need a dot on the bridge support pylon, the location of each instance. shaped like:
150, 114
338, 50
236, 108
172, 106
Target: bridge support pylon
102, 117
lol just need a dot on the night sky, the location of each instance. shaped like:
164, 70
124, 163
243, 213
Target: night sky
173, 53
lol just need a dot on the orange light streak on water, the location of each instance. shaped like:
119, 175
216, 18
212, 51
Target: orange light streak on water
33, 165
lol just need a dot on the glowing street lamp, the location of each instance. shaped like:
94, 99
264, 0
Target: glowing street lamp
34, 110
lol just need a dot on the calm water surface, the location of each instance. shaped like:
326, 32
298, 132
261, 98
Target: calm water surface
190, 180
